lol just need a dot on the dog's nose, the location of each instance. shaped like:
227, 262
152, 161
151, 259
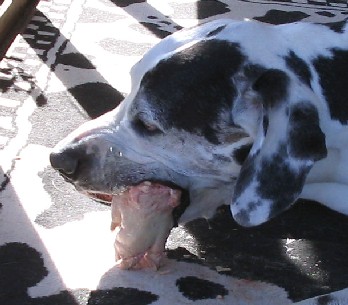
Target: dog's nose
64, 161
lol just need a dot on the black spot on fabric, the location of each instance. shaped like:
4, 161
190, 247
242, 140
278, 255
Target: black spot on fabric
337, 27
41, 100
76, 60
333, 78
325, 300
37, 37
20, 267
123, 47
166, 22
326, 14
241, 153
192, 87
201, 9
125, 3
208, 8
150, 28
96, 98
121, 296
306, 140
195, 288
66, 297
216, 31
273, 86
299, 67
155, 29
281, 17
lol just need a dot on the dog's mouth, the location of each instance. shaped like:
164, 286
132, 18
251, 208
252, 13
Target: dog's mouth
101, 197
107, 198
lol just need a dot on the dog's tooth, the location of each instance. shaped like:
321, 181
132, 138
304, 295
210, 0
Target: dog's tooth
149, 183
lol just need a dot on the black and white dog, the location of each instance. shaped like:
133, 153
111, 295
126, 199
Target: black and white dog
239, 113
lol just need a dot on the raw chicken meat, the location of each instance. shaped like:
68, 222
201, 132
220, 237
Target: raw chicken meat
143, 214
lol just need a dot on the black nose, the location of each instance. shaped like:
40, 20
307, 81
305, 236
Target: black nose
65, 161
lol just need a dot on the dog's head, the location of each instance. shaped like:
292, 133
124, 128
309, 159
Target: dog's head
205, 118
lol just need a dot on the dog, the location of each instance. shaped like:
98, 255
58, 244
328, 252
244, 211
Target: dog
235, 112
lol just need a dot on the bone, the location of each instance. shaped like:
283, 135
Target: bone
143, 215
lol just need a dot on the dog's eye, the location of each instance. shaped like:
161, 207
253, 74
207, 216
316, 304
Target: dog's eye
149, 126
143, 126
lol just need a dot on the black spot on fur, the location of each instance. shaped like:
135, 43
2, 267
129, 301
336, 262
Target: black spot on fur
278, 182
241, 153
253, 72
246, 175
273, 86
243, 216
281, 17
333, 78
299, 67
195, 288
222, 158
216, 31
306, 140
192, 87
337, 27
265, 123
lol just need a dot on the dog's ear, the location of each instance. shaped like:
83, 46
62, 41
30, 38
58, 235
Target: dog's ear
287, 142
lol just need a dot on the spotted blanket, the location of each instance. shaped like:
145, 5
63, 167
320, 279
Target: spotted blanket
71, 64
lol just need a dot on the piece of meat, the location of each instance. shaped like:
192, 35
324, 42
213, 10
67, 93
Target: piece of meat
143, 214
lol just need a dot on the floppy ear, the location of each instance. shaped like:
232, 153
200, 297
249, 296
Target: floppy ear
288, 141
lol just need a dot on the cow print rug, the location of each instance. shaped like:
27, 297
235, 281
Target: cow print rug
71, 64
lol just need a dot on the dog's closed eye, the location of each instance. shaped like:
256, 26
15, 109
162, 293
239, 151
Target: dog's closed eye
144, 126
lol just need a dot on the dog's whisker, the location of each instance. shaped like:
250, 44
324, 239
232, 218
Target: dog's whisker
57, 188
